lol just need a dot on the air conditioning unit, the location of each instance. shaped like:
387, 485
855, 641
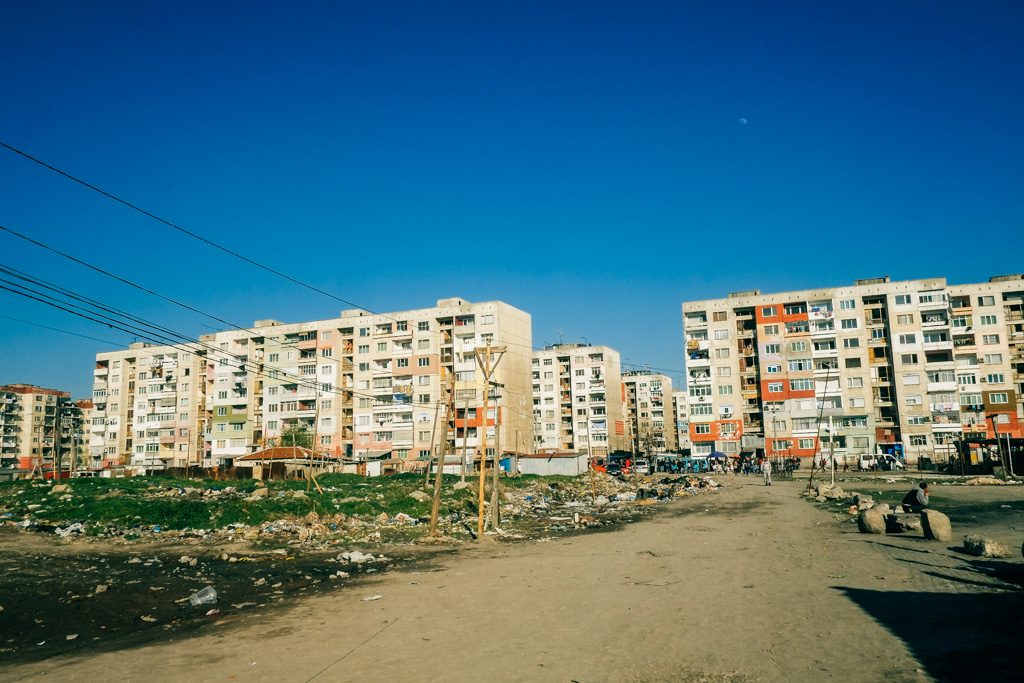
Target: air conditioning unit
984, 380
981, 360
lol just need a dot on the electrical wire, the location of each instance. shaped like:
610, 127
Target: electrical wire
54, 329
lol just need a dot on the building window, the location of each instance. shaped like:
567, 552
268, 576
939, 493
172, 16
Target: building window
990, 339
914, 400
918, 439
424, 398
725, 390
771, 330
769, 311
995, 378
847, 305
912, 379
423, 326
905, 319
423, 362
801, 384
853, 362
908, 339
854, 382
851, 343
774, 387
775, 367
798, 346
363, 367
702, 428
902, 299
772, 348
848, 324
986, 301
997, 397
721, 353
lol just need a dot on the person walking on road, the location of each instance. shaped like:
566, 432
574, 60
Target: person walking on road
766, 468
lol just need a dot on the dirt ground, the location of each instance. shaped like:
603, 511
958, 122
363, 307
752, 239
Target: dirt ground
749, 584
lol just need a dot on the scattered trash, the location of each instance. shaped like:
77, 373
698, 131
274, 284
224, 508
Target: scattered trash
212, 612
205, 596
368, 598
72, 636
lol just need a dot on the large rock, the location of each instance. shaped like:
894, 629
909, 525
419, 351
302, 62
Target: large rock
420, 496
60, 488
259, 493
460, 485
984, 547
872, 521
936, 526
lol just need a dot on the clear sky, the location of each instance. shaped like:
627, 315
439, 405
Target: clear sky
592, 163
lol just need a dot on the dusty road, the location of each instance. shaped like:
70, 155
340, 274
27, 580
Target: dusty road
749, 584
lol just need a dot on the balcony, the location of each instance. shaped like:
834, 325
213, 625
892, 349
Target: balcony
950, 386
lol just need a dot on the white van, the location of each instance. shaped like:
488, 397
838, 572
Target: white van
890, 463
866, 461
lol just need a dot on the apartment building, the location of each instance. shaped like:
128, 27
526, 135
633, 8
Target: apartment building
647, 398
369, 385
149, 406
681, 411
576, 400
38, 428
877, 366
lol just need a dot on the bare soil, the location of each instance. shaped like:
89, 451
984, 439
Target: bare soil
751, 583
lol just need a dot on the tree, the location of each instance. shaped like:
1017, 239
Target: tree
648, 442
296, 435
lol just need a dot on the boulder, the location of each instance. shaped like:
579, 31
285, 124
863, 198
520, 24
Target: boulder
936, 526
460, 485
259, 493
59, 488
420, 496
871, 521
984, 547
834, 493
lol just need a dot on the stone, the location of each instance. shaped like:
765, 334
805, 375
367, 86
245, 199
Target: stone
984, 547
60, 488
420, 496
259, 493
460, 485
863, 500
834, 493
299, 494
936, 526
872, 521
601, 500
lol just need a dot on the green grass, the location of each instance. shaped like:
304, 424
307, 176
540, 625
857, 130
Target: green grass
140, 501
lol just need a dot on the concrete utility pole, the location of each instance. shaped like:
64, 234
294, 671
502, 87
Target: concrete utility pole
483, 359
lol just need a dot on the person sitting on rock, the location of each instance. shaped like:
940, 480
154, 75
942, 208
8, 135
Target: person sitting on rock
917, 499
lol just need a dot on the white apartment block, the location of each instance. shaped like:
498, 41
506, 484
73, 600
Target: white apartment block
149, 406
681, 411
908, 367
577, 405
372, 386
649, 411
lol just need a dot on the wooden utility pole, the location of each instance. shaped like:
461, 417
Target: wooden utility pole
449, 415
433, 434
496, 481
483, 359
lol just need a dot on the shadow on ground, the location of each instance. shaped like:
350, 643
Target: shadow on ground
956, 637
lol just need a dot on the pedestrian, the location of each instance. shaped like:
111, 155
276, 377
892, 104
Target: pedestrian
917, 499
766, 467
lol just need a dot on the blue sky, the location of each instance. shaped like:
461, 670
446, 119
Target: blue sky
593, 163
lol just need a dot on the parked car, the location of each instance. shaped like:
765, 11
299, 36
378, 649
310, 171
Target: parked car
614, 469
642, 467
